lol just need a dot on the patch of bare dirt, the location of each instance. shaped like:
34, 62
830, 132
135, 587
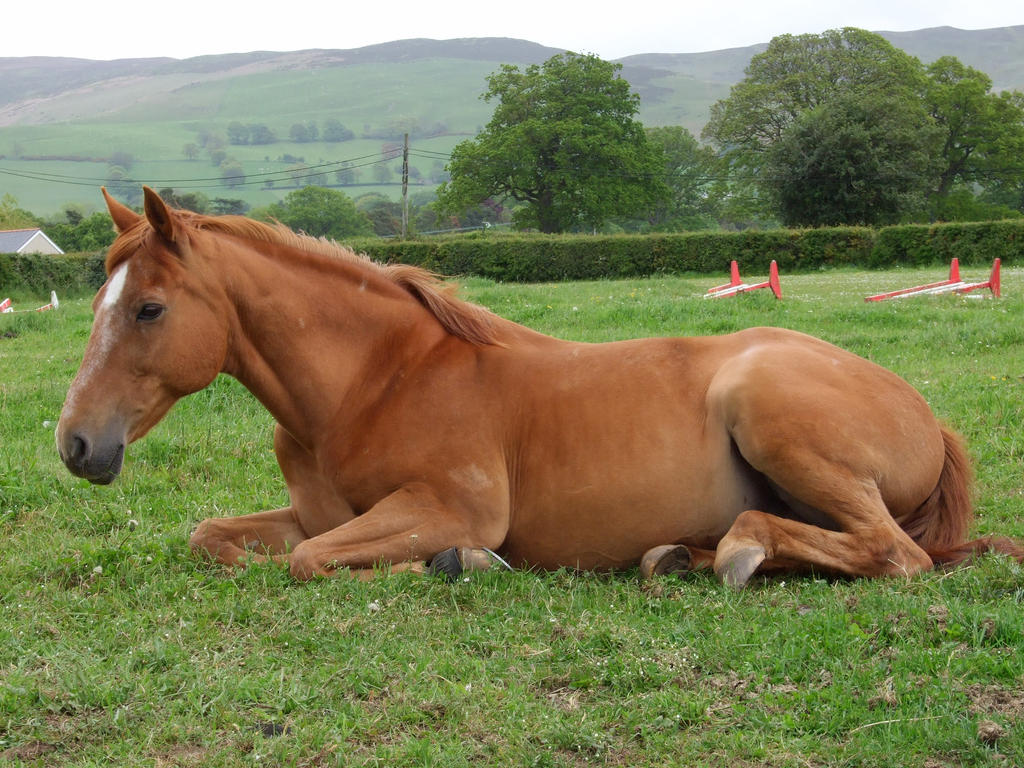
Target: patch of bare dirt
565, 699
938, 615
989, 732
996, 700
33, 750
183, 756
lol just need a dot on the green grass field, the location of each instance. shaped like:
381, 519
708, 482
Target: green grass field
117, 647
153, 118
46, 187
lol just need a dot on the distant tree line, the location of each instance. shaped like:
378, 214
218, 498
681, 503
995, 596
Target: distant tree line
313, 210
239, 133
831, 129
332, 131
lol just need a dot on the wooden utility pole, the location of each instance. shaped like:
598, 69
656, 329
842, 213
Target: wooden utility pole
405, 187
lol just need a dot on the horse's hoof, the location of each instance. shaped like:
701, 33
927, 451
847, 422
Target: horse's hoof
664, 560
453, 562
446, 564
739, 566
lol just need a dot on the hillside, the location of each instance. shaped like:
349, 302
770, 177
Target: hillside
62, 120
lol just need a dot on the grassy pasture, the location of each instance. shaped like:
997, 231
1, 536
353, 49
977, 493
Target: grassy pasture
118, 648
161, 163
154, 118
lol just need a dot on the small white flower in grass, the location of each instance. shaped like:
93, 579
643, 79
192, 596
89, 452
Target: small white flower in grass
133, 524
373, 607
98, 570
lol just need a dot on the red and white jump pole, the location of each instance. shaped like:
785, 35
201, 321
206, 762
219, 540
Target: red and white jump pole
736, 285
6, 307
952, 285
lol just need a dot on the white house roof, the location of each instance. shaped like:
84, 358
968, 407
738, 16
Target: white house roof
17, 240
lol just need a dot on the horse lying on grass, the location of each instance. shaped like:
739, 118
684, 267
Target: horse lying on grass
409, 421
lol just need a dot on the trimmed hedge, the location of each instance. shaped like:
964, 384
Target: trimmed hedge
73, 273
549, 258
972, 243
541, 258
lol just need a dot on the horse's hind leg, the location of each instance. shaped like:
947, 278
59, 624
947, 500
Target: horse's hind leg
869, 542
846, 448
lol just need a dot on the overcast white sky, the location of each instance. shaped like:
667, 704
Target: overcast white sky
115, 29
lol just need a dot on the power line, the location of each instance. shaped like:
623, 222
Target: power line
429, 154
299, 173
42, 177
43, 174
214, 182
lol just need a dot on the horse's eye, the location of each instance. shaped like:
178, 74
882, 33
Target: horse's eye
150, 312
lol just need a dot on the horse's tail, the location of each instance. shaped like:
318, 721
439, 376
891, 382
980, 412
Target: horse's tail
939, 526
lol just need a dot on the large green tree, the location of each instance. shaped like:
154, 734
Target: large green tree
563, 143
851, 160
982, 132
781, 125
385, 214
320, 212
821, 123
800, 72
692, 174
77, 233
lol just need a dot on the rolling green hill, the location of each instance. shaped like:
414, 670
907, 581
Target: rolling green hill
63, 122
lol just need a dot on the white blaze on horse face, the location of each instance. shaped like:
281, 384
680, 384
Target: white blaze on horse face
114, 287
103, 334
105, 323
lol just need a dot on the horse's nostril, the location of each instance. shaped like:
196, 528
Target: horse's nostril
79, 449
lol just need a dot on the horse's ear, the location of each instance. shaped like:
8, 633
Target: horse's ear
160, 216
124, 217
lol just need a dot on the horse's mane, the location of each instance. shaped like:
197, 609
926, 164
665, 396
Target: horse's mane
459, 317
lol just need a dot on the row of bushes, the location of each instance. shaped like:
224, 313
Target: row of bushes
75, 273
972, 243
543, 258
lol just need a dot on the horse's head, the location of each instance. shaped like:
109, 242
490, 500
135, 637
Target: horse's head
160, 332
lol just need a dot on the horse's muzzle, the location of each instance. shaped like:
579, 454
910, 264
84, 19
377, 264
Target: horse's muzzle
98, 461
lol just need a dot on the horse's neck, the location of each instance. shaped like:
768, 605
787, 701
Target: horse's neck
313, 336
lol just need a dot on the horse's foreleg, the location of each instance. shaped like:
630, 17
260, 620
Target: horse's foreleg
272, 535
410, 525
260, 536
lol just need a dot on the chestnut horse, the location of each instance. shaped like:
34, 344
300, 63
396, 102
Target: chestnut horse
409, 421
